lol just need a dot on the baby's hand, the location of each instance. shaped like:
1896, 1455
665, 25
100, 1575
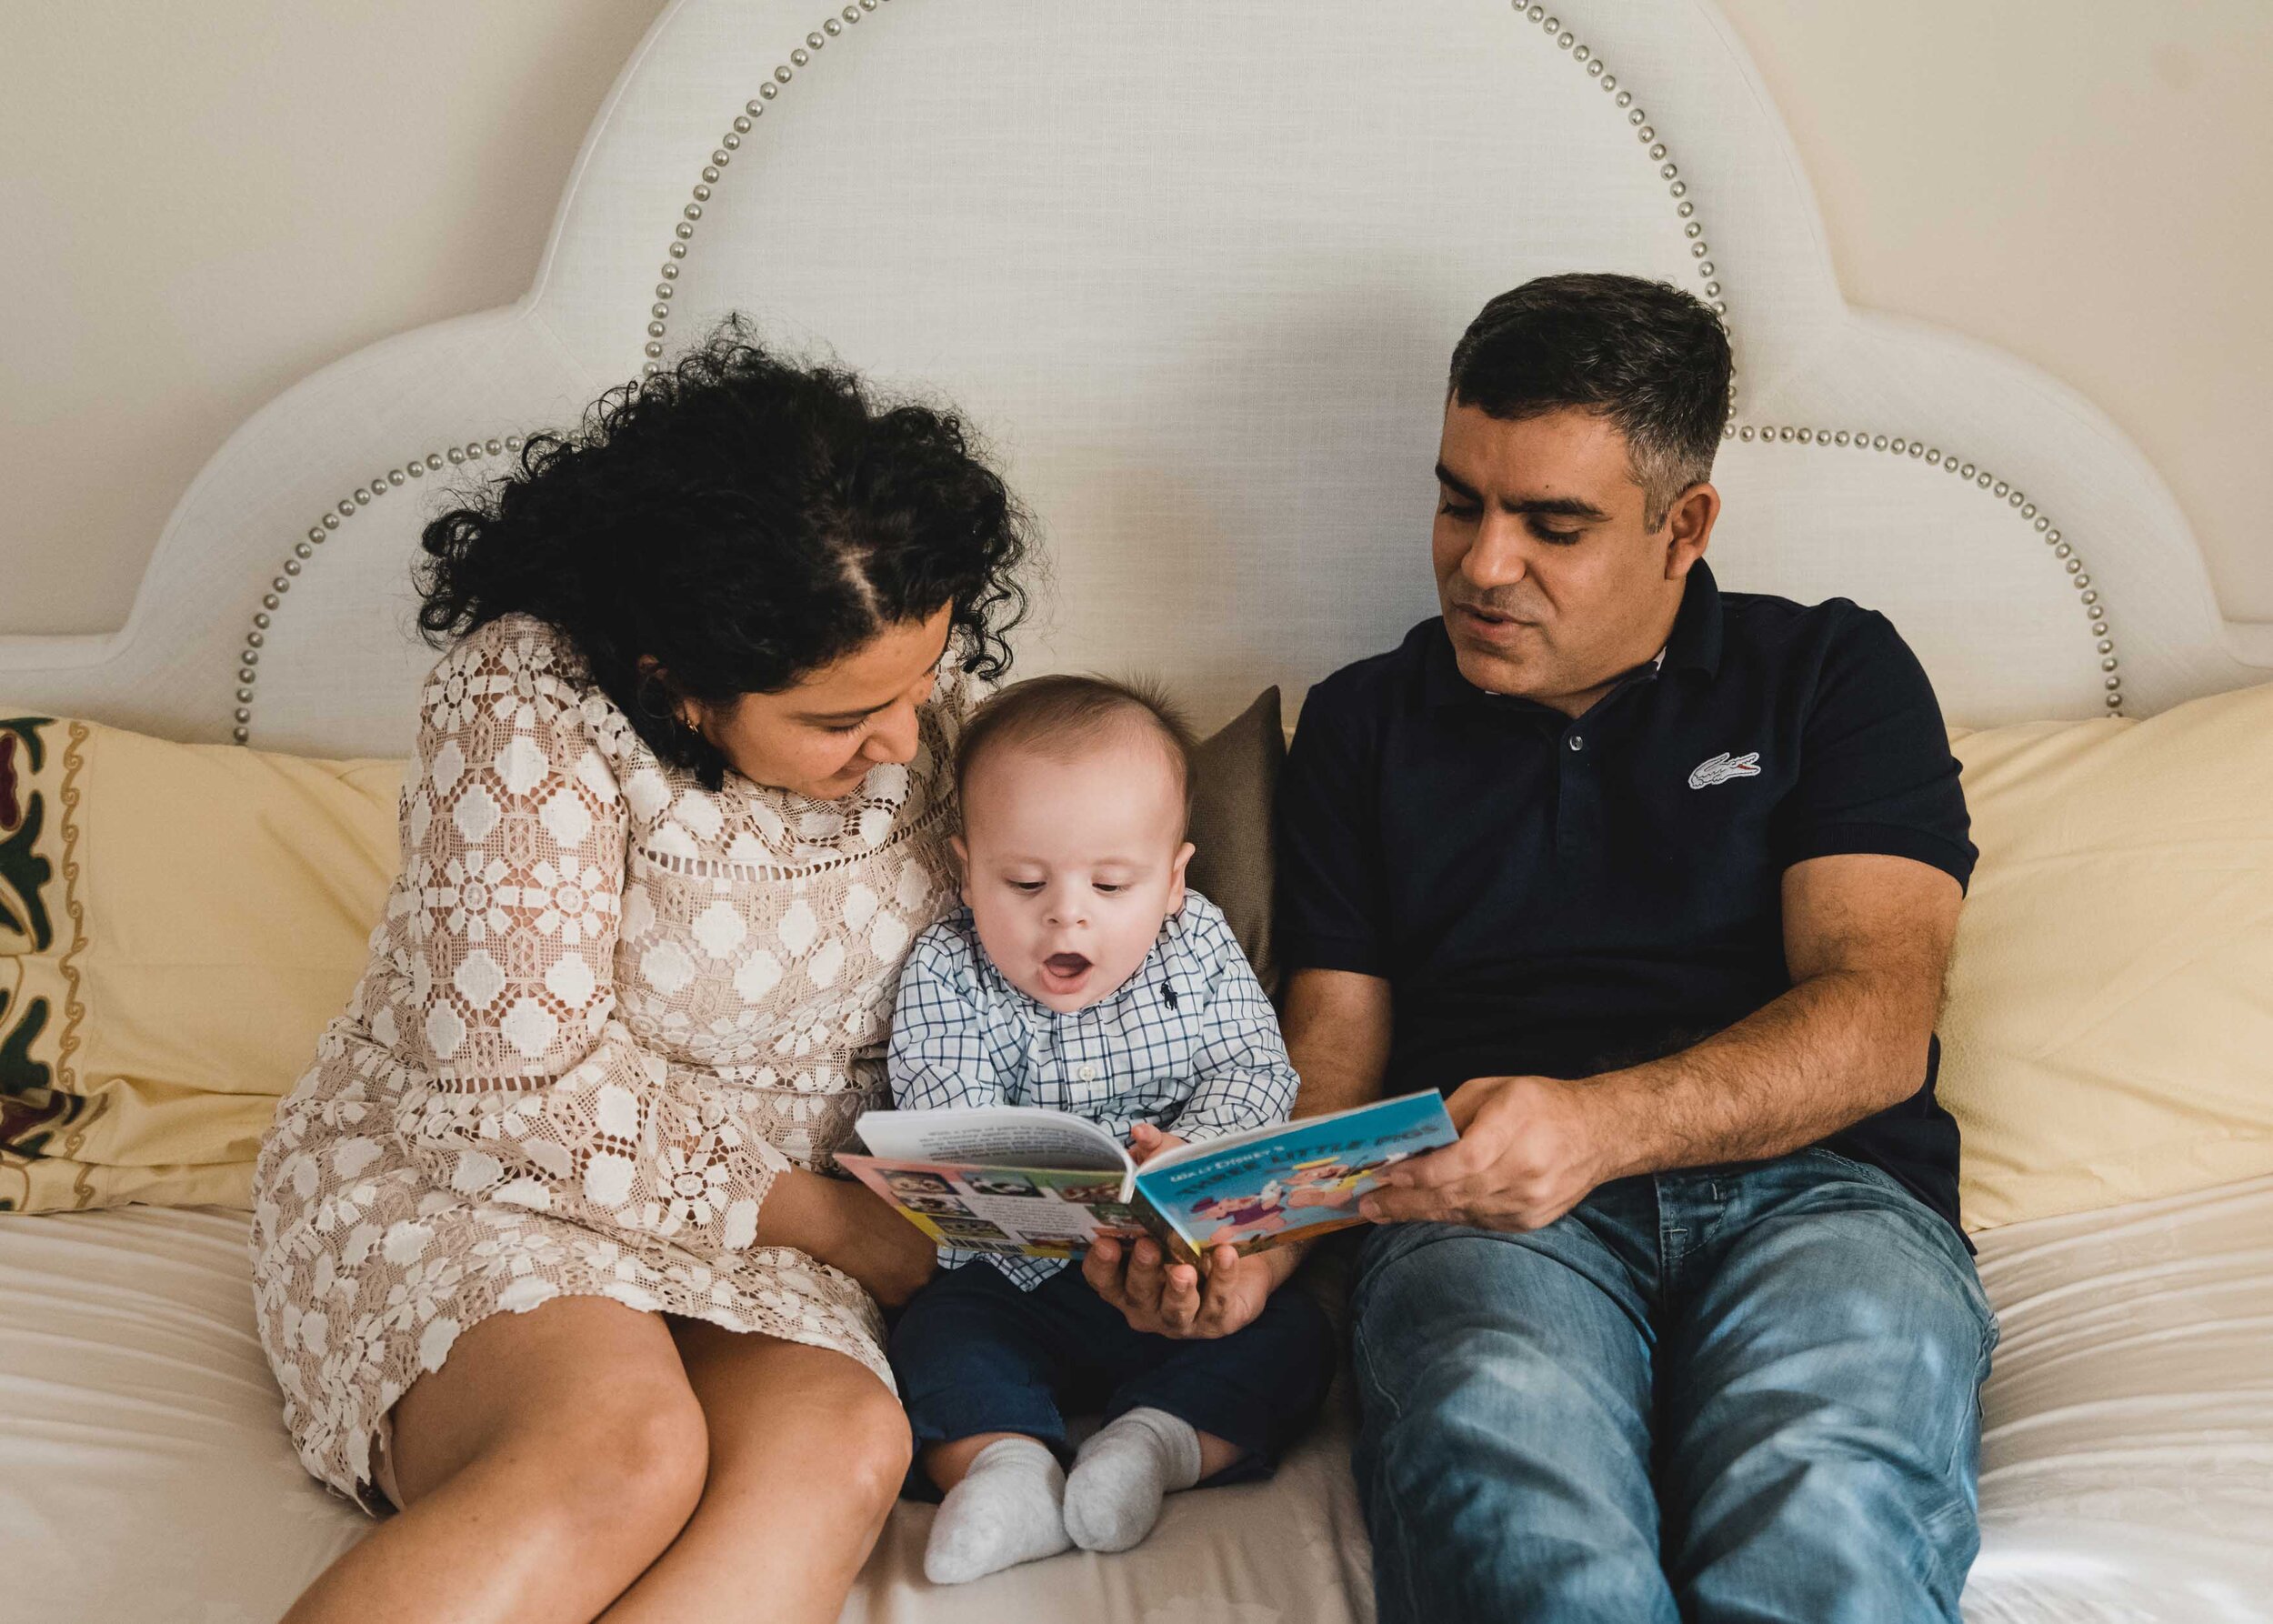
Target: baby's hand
1148, 1141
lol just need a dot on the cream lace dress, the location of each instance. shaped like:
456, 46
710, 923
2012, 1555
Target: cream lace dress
603, 1009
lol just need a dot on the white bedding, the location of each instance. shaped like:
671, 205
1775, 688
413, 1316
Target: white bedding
2127, 1463
2127, 1467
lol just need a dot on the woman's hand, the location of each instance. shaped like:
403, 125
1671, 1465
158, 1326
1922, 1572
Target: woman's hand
879, 1247
846, 1225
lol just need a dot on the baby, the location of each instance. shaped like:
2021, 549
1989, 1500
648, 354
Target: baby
1085, 976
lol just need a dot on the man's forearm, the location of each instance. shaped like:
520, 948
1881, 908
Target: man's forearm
1327, 1087
1827, 1054
1337, 1029
1337, 1037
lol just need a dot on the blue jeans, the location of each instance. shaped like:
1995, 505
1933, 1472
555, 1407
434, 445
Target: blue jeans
1747, 1393
975, 1354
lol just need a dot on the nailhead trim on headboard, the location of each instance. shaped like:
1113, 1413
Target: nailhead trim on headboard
304, 552
729, 142
248, 657
2095, 607
659, 315
1550, 25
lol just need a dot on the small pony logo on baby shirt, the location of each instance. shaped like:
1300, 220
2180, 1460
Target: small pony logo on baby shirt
1724, 766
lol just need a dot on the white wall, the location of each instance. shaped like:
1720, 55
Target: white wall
200, 204
2086, 184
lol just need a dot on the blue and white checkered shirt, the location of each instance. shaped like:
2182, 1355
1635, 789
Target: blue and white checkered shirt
1189, 1043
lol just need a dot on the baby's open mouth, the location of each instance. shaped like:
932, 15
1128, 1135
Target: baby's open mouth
1067, 967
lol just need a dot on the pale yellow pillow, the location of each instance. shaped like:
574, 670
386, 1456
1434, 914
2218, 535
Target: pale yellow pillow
177, 923
2110, 1031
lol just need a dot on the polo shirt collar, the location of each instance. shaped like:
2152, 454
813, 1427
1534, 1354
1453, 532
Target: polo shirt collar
1441, 682
1694, 644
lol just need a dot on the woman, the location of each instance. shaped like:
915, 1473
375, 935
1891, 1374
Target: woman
545, 1252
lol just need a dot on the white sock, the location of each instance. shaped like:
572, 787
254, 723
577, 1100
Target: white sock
1005, 1510
1121, 1475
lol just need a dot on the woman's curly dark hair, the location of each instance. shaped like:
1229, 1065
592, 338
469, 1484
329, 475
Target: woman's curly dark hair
741, 521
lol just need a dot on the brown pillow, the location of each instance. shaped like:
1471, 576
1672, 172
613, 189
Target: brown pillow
1234, 786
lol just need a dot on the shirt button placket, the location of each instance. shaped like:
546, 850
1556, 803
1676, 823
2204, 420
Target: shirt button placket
1574, 745
1061, 1073
1576, 798
1074, 1053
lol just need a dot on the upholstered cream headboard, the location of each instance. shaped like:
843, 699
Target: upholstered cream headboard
1195, 267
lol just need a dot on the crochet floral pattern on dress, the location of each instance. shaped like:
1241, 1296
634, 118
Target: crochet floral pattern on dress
604, 1009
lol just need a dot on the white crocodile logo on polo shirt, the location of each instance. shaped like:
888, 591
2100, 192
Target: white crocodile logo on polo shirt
1722, 767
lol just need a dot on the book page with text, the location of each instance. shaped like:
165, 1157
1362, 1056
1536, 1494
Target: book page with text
1006, 1136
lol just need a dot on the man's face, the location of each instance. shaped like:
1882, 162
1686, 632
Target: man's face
1551, 583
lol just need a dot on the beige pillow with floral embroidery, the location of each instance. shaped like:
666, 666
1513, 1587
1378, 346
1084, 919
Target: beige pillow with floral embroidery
178, 925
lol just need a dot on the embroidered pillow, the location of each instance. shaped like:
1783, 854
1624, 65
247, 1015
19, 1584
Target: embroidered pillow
177, 924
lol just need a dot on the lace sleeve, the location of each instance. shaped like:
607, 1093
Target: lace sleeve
513, 851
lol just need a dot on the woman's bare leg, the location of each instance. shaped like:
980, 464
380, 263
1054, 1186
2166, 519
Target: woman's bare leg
553, 1456
807, 1452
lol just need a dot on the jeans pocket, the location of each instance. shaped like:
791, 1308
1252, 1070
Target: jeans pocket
1869, 1172
1976, 1296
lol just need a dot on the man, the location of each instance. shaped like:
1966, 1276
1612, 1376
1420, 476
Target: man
1657, 885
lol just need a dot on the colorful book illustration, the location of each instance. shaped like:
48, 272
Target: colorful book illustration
1019, 1180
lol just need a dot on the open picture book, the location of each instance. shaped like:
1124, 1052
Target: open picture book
1043, 1184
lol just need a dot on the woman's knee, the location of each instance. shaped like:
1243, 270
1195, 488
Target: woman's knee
848, 1453
603, 1471
623, 1465
879, 1447
644, 1455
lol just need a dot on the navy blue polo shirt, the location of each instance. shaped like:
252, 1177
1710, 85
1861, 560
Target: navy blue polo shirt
1558, 898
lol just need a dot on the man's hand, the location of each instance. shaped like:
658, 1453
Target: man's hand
1168, 1299
1531, 1148
1148, 1141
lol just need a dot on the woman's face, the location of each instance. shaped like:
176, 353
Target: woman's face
821, 737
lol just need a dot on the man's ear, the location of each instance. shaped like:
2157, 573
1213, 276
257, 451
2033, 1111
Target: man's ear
1175, 877
1689, 527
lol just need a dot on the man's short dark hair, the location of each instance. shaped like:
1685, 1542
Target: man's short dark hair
1651, 358
1061, 715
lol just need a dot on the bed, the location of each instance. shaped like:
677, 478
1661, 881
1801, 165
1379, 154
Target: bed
1194, 270
2124, 1470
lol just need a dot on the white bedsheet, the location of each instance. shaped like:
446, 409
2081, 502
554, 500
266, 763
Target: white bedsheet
2127, 1466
